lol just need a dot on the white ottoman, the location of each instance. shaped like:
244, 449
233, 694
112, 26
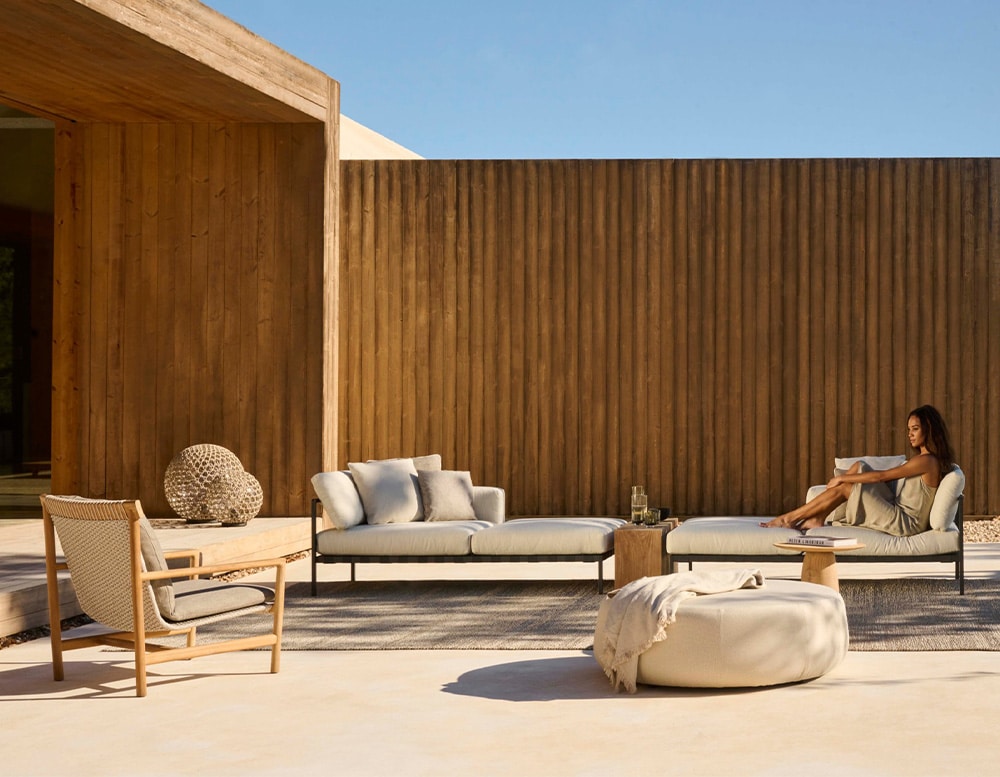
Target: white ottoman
784, 632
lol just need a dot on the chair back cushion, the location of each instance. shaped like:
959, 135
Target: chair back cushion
154, 561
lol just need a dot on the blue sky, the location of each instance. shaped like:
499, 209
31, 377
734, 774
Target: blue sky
521, 79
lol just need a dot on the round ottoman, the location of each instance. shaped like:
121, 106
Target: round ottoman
784, 632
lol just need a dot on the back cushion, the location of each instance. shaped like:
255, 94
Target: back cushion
840, 466
945, 505
154, 561
340, 498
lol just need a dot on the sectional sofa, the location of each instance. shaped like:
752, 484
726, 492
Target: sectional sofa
411, 511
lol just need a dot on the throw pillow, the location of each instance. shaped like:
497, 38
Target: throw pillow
945, 505
430, 461
447, 495
389, 490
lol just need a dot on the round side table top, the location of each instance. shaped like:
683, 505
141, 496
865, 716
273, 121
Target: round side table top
819, 548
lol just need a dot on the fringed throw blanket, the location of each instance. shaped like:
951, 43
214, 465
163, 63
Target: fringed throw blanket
638, 614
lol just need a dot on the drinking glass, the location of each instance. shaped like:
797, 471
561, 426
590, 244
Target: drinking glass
639, 503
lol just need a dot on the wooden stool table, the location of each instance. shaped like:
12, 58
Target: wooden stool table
641, 551
819, 563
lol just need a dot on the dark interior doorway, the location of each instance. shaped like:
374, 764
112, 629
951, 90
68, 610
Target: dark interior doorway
27, 174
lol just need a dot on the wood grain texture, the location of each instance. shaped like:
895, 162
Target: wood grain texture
189, 299
718, 330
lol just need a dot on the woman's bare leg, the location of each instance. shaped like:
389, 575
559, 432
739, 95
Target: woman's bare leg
812, 514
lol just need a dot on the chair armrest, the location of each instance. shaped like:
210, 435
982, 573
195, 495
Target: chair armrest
215, 569
190, 555
489, 504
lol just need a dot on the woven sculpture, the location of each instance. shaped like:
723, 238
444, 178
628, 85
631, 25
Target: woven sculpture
207, 484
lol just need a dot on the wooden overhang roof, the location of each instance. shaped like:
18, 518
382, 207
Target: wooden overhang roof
149, 61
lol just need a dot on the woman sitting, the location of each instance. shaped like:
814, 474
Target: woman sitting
866, 497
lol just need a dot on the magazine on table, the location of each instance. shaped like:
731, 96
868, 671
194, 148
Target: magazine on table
821, 540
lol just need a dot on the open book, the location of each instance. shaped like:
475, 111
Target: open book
821, 541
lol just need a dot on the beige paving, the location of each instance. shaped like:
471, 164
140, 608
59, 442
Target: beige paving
495, 712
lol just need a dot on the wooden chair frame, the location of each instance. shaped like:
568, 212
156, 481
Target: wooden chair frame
149, 654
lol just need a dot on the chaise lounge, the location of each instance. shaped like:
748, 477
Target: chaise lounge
742, 539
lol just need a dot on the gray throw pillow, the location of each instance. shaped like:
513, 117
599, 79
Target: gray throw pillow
447, 495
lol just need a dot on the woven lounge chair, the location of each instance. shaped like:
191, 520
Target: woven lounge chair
122, 581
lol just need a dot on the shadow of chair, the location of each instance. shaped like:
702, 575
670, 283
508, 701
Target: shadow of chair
122, 581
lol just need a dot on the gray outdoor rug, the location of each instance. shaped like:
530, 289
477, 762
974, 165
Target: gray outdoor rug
438, 615
922, 614
883, 615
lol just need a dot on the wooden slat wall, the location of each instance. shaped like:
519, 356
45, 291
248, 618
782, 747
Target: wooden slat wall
189, 272
716, 330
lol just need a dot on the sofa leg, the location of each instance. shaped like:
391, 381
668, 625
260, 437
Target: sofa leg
600, 576
352, 571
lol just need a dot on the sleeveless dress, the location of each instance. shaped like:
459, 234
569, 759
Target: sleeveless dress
877, 506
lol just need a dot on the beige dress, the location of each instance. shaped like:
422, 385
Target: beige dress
877, 506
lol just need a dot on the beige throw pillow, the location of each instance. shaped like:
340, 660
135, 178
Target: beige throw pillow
447, 495
389, 490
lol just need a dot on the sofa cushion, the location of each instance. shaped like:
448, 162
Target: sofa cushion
741, 536
945, 505
840, 466
547, 536
340, 498
445, 538
389, 490
447, 495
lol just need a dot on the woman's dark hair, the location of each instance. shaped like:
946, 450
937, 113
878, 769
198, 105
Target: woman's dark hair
936, 434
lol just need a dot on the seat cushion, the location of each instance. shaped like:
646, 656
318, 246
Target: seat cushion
444, 538
784, 632
204, 598
741, 536
547, 536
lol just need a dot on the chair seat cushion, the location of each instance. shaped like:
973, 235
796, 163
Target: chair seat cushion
548, 536
204, 598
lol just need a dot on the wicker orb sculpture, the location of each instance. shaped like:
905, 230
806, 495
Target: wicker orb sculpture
207, 484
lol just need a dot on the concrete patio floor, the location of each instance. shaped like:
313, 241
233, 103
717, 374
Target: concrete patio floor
496, 712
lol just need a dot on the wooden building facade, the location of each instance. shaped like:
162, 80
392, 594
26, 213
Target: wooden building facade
195, 243
716, 330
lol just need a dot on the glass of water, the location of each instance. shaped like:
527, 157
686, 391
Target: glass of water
639, 504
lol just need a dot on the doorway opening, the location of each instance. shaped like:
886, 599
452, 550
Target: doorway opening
27, 182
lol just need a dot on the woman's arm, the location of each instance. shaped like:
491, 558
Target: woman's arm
923, 464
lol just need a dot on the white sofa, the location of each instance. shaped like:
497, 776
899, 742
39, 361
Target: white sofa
417, 513
742, 539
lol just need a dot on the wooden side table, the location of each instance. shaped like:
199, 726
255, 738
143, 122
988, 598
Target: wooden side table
819, 564
640, 551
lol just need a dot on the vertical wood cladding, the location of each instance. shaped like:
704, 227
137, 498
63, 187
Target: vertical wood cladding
718, 330
188, 305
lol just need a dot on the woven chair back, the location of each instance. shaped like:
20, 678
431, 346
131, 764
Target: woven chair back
96, 541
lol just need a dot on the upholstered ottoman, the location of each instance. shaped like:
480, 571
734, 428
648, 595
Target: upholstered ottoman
783, 632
